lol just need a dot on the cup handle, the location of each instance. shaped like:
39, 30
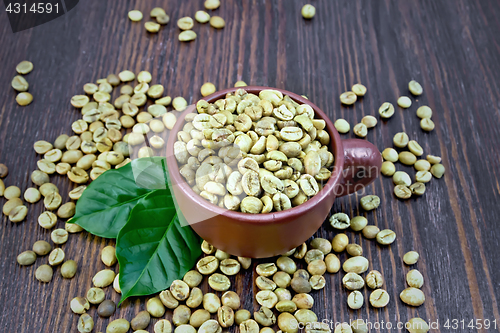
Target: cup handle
362, 163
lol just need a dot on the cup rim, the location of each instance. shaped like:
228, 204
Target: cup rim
261, 218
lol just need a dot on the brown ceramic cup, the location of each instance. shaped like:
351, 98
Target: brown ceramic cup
357, 164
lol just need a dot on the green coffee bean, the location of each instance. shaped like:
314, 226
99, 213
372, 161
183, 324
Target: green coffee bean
386, 237
411, 258
390, 154
423, 176
424, 112
417, 325
379, 298
56, 257
353, 281
414, 279
305, 316
332, 263
32, 195
26, 258
288, 265
437, 170
359, 326
85, 323
370, 202
106, 309
79, 305
417, 188
401, 178
288, 323
415, 148
108, 256
407, 158
404, 102
348, 98
342, 126
266, 270
370, 231
19, 83
360, 130
12, 192
225, 316
141, 321
180, 290
103, 278
181, 315
283, 294
402, 192
156, 308
369, 121
185, 329
400, 140
303, 301
4, 170
316, 267
308, 11
118, 325
265, 316
356, 264
358, 223
427, 124
218, 282
433, 159
386, 110
67, 210
47, 220
422, 165
264, 283
169, 300
211, 302
355, 300
340, 221
242, 315
18, 214
42, 248
354, 250
231, 299
95, 295
374, 279
415, 88
412, 296
359, 89
164, 326
192, 278
199, 317
59, 236
39, 178
286, 306
388, 169
282, 279
266, 298
194, 300
52, 201
321, 244
340, 242
229, 266
24, 98
68, 269
44, 273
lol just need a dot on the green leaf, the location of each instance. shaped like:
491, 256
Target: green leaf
152, 248
105, 205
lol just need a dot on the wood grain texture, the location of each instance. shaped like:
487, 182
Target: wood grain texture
451, 49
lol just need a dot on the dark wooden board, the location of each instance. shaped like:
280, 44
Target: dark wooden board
451, 48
